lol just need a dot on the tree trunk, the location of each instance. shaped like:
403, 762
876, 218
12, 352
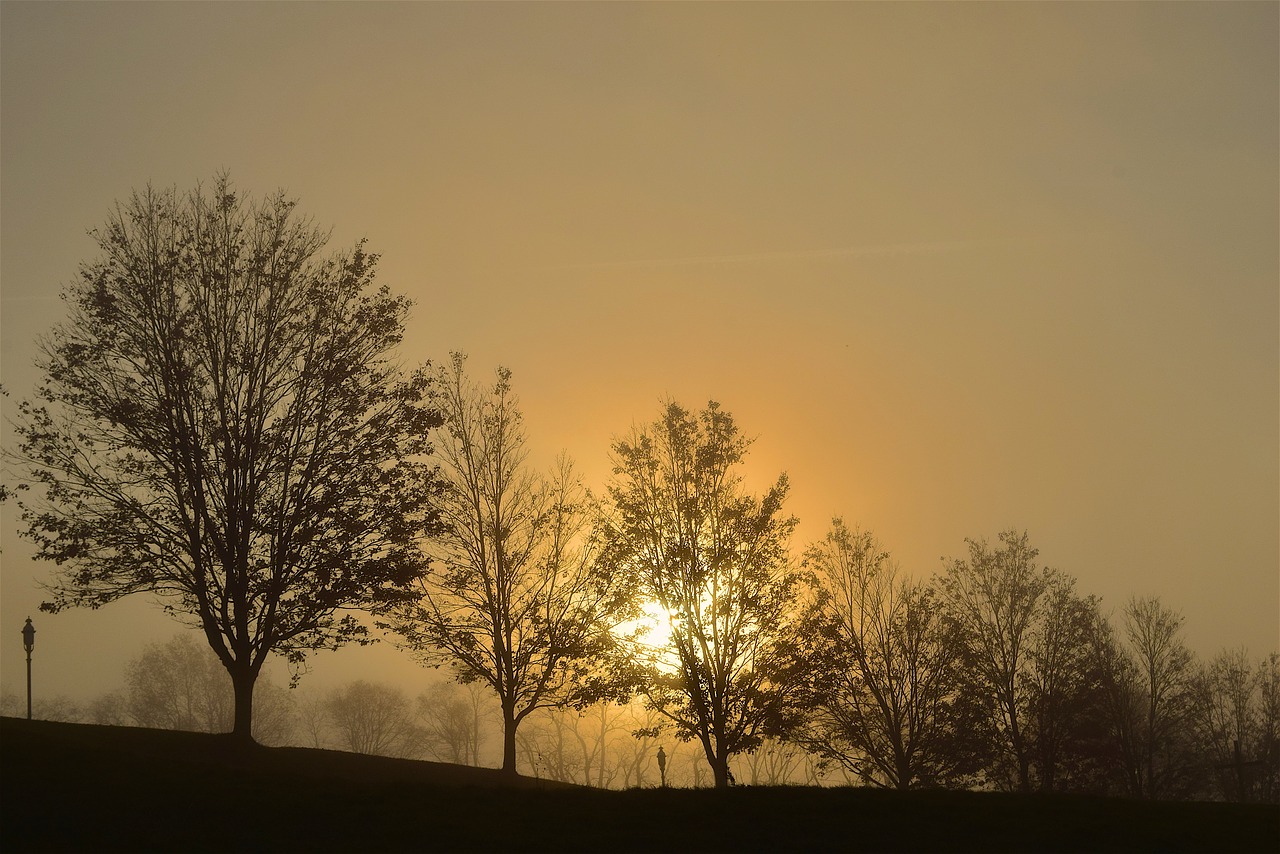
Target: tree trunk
720, 770
508, 741
242, 681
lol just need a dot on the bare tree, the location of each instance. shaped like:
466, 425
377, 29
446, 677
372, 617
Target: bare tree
514, 598
993, 597
1146, 680
1234, 727
371, 718
178, 685
772, 763
1062, 686
221, 424
885, 690
452, 721
181, 685
715, 560
1268, 751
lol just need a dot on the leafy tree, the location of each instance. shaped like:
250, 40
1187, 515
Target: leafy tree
513, 597
886, 694
222, 423
715, 561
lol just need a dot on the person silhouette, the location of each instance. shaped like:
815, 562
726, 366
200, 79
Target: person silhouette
662, 765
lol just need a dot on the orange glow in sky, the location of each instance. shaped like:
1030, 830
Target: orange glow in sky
959, 267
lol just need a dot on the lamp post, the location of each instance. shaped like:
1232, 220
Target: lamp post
28, 641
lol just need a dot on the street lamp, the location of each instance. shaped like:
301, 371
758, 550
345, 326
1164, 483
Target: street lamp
29, 642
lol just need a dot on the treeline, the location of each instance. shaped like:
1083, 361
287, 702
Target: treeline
223, 423
1223, 713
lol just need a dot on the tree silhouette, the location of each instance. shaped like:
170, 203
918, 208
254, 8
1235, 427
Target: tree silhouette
715, 560
513, 597
886, 693
994, 598
1147, 680
221, 424
372, 718
181, 685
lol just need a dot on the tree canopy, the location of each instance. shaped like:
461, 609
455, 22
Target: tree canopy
222, 423
715, 560
514, 597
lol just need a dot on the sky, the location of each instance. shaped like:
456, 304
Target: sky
959, 268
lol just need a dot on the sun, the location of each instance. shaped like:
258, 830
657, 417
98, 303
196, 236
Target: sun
652, 634
657, 624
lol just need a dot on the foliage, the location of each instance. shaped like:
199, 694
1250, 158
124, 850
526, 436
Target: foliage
513, 597
715, 559
221, 424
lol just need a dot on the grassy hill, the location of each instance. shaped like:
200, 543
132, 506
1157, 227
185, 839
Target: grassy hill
74, 787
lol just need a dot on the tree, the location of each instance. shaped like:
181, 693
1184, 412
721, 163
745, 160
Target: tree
1062, 687
886, 698
221, 424
1146, 681
451, 721
1234, 712
513, 597
993, 599
371, 718
715, 561
177, 685
181, 685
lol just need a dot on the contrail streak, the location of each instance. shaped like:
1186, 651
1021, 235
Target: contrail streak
888, 249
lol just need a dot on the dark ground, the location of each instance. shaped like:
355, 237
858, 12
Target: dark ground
74, 787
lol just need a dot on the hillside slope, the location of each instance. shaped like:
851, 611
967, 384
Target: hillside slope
74, 787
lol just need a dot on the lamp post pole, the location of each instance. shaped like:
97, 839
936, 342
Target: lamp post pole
28, 641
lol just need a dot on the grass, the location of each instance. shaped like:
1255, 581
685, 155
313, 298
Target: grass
75, 787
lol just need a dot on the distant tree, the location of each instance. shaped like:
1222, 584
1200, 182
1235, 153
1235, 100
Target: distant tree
222, 423
1146, 678
886, 693
58, 707
451, 721
1235, 731
772, 763
181, 685
371, 718
178, 685
993, 597
513, 598
108, 710
635, 750
1268, 750
715, 560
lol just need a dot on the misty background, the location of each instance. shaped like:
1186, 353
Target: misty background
960, 268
